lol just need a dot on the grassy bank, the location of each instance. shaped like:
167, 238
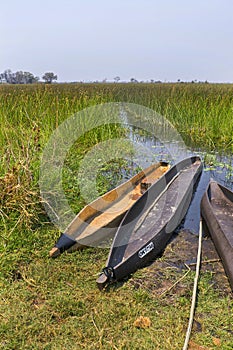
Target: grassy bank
54, 304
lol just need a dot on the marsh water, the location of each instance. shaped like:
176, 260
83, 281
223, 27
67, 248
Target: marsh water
149, 149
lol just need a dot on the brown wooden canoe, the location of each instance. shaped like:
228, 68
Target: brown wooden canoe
217, 213
100, 219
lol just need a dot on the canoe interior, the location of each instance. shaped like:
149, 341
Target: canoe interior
108, 210
159, 211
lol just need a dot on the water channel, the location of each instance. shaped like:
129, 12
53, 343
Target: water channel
150, 149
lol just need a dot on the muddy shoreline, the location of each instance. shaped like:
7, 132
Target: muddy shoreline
166, 276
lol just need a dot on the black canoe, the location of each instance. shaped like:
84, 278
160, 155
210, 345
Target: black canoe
217, 213
100, 219
147, 227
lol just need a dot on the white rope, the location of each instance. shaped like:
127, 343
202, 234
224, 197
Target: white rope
192, 310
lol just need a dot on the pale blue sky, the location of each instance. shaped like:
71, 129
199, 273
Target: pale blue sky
97, 39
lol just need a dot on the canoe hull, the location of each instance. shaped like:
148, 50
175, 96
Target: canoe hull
155, 246
148, 246
99, 220
218, 218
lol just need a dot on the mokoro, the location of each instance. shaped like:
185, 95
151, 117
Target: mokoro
147, 227
100, 219
217, 213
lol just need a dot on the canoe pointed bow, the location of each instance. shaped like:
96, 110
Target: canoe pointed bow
102, 281
107, 276
54, 252
65, 242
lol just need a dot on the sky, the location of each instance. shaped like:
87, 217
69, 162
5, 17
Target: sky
88, 40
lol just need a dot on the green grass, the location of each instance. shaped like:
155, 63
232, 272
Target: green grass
55, 304
196, 110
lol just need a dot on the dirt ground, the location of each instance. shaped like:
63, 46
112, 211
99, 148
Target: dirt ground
167, 275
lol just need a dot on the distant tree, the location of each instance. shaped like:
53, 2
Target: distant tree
25, 78
8, 76
49, 77
18, 77
117, 79
133, 80
29, 78
2, 78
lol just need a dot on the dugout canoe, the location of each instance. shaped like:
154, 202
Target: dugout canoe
148, 225
217, 213
100, 219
